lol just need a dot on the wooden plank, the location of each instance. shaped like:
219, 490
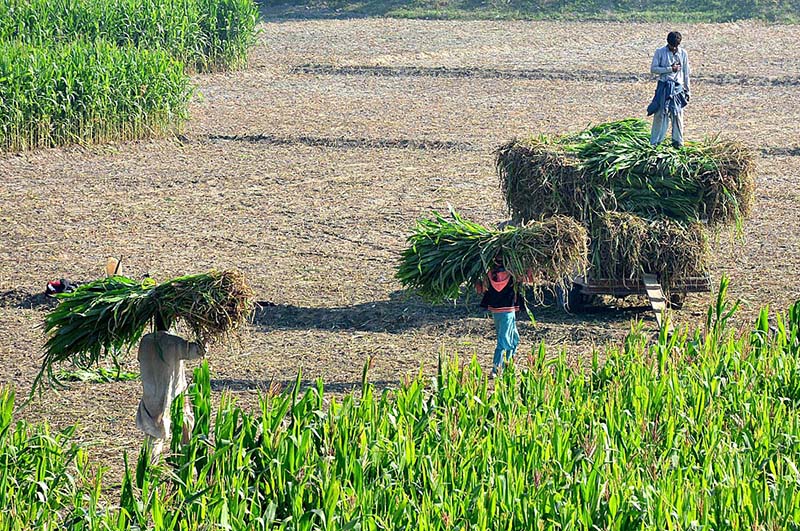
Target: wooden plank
621, 288
657, 300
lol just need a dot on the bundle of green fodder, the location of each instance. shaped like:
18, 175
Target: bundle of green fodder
624, 246
444, 254
110, 315
613, 167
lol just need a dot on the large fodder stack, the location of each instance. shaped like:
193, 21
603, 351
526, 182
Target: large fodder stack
613, 167
624, 246
110, 315
445, 254
646, 207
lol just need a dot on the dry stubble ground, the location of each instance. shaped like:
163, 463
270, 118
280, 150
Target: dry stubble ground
307, 170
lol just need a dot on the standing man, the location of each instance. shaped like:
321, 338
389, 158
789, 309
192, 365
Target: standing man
671, 63
161, 357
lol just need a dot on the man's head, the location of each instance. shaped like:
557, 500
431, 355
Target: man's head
673, 40
161, 323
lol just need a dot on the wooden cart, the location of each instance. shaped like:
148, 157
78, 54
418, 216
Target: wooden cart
581, 289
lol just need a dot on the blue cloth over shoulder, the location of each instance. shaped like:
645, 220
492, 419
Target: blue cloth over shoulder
668, 99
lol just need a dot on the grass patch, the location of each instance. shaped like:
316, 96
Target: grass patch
96, 375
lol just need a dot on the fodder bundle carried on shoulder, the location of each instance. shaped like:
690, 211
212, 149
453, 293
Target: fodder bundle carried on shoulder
613, 167
444, 254
110, 315
624, 246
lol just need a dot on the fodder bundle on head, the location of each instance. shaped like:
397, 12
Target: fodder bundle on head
110, 315
613, 167
444, 254
624, 246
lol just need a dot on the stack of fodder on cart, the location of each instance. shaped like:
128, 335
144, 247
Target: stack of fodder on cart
647, 209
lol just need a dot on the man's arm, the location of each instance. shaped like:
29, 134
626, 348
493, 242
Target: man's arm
186, 350
194, 350
685, 67
655, 68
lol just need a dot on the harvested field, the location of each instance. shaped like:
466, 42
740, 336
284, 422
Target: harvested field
307, 170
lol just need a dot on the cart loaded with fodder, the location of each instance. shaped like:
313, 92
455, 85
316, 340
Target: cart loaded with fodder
648, 209
621, 216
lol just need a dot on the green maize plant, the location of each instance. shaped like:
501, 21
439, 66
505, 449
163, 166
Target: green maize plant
228, 28
444, 254
87, 92
45, 479
109, 316
203, 34
685, 431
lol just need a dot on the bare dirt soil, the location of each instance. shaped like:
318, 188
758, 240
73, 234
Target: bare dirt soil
307, 170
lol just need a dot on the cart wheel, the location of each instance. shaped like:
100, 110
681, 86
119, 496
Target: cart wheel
676, 300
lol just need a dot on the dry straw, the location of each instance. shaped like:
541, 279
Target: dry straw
624, 246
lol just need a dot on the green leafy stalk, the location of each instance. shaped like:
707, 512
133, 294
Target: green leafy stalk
110, 315
444, 254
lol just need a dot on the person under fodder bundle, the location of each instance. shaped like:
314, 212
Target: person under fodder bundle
671, 63
501, 299
161, 357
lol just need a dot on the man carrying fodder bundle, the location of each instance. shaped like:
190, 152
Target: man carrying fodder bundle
445, 254
161, 357
111, 315
501, 299
671, 63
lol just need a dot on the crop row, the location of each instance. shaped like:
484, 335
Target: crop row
96, 70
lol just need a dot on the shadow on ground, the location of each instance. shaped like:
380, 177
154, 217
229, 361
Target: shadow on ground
399, 313
605, 76
26, 300
278, 11
402, 312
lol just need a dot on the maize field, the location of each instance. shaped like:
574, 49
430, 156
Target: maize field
85, 92
306, 171
697, 431
203, 35
96, 71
